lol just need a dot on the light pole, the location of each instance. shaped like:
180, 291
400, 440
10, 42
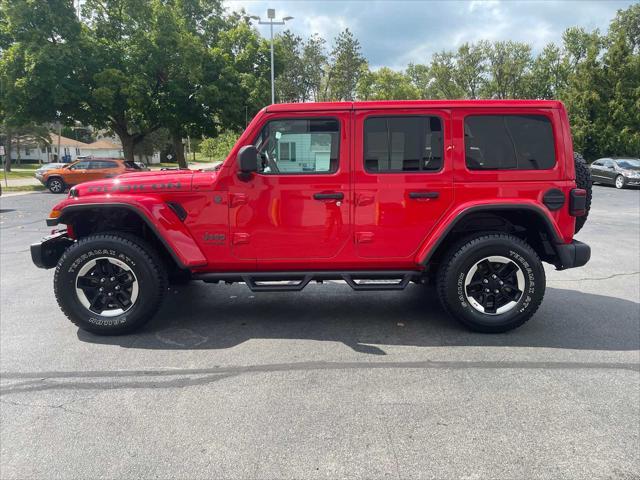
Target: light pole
271, 15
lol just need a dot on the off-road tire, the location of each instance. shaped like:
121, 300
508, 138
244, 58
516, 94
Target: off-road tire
584, 181
56, 185
461, 258
137, 255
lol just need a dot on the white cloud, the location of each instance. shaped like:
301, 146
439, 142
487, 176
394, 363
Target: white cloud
395, 33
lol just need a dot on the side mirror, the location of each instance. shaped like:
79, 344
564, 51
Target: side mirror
248, 159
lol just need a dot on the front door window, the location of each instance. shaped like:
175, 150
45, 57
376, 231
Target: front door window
299, 146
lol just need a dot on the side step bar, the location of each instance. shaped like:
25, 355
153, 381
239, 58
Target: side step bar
296, 281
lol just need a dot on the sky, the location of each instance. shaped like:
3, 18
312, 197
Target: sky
396, 33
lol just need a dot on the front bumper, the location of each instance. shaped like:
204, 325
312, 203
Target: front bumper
632, 181
47, 252
572, 255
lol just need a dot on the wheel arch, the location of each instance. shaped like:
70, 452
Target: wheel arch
528, 222
169, 235
56, 177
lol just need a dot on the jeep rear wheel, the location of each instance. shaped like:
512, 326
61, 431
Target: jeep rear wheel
56, 185
109, 284
491, 283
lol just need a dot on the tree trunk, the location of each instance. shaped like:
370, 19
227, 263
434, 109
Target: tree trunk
7, 151
127, 147
178, 148
18, 158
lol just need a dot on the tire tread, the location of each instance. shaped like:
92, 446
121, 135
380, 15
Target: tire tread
460, 249
142, 248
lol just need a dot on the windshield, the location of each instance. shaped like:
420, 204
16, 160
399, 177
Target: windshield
633, 164
132, 165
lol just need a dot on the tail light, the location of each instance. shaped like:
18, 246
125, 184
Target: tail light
578, 202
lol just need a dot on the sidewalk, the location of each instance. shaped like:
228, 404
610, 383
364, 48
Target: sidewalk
18, 182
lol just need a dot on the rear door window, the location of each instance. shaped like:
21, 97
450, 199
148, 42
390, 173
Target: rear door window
79, 166
102, 164
403, 144
509, 142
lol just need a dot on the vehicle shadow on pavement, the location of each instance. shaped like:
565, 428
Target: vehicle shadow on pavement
220, 316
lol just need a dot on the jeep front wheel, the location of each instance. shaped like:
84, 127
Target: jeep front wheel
492, 283
109, 284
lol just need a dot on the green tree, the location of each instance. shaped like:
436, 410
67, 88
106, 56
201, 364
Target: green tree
247, 55
442, 72
549, 73
508, 65
386, 84
621, 77
314, 61
345, 68
117, 72
585, 94
470, 68
290, 80
420, 77
219, 147
39, 47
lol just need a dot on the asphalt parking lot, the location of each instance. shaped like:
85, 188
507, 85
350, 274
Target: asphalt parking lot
327, 383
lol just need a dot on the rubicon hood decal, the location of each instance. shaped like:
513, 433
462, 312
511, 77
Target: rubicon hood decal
133, 187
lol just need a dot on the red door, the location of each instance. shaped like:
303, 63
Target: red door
297, 206
402, 179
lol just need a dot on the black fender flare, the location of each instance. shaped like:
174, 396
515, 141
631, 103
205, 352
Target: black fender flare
71, 209
556, 242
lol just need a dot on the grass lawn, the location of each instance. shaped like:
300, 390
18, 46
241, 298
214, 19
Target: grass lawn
15, 173
25, 166
23, 188
201, 158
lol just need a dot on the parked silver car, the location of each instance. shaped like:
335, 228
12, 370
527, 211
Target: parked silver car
621, 172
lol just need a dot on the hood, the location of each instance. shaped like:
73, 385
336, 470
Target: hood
138, 183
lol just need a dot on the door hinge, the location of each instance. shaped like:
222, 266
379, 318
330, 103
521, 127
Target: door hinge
238, 199
240, 238
364, 199
364, 237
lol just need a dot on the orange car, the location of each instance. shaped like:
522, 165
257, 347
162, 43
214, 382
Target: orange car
57, 180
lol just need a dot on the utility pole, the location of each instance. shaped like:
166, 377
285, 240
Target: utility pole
271, 15
59, 134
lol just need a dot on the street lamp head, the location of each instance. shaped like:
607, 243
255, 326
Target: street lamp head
286, 19
271, 13
254, 17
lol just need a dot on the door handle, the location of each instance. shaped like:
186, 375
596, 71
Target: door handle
419, 195
329, 196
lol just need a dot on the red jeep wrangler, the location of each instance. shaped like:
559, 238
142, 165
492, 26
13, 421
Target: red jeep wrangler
470, 195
